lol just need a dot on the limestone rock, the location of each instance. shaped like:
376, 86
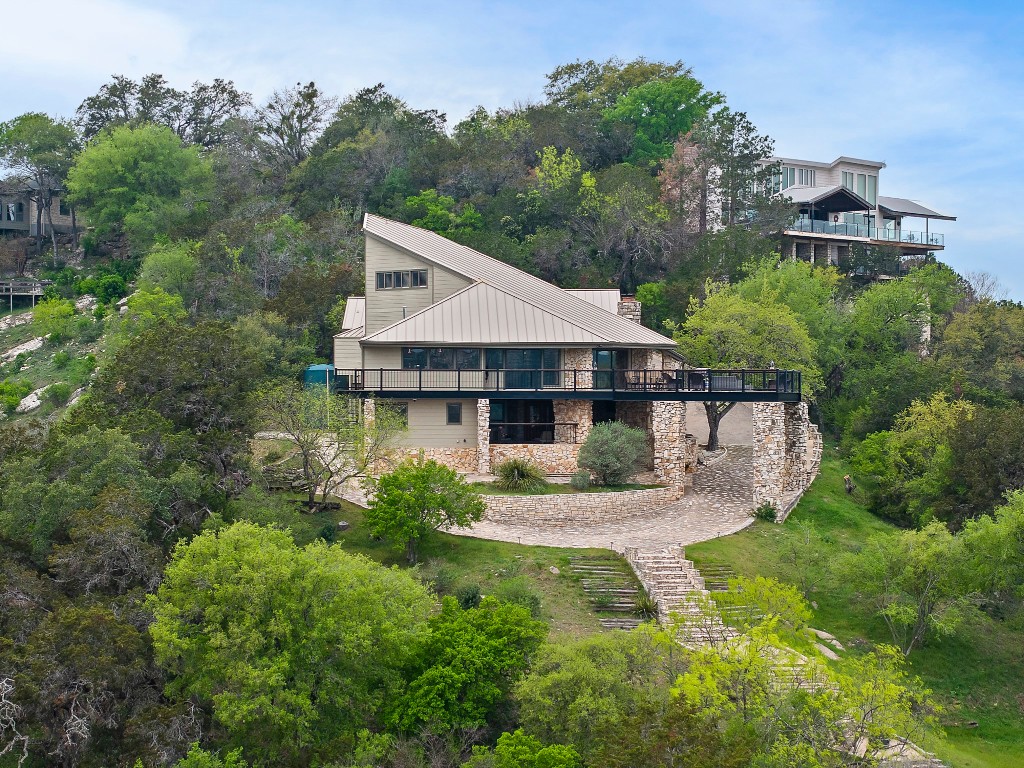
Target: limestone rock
31, 401
29, 346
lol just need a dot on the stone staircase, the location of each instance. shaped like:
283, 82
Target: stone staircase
682, 596
610, 588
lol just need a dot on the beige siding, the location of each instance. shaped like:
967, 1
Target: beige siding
347, 353
385, 307
428, 427
382, 357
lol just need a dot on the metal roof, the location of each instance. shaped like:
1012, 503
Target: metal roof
826, 164
525, 293
351, 333
355, 313
606, 298
482, 315
904, 207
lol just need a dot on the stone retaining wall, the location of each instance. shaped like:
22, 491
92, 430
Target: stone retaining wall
552, 458
574, 508
459, 459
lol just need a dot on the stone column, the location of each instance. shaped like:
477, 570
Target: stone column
769, 454
483, 436
578, 412
369, 411
781, 439
581, 361
668, 427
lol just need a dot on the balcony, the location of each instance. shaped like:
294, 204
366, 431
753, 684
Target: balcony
869, 232
748, 385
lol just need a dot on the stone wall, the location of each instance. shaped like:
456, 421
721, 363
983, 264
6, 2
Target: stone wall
552, 458
460, 459
574, 508
786, 456
578, 412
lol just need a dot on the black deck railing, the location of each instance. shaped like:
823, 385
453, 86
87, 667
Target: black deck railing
690, 380
533, 432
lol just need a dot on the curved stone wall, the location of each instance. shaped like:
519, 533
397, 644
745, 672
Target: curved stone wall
574, 508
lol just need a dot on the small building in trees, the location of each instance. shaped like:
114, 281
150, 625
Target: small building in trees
487, 362
22, 216
844, 220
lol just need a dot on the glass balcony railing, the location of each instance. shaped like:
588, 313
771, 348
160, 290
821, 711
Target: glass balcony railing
867, 231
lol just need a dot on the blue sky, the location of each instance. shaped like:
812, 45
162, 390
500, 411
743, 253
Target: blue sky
936, 90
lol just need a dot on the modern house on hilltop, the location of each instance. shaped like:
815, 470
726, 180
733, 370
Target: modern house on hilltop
840, 206
488, 362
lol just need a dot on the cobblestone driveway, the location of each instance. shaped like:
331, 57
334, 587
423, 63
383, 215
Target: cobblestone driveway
718, 504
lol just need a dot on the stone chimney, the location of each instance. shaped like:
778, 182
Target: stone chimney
629, 308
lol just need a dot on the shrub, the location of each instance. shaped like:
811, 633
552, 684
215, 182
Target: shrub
87, 330
58, 394
767, 512
518, 592
53, 318
520, 476
61, 360
580, 480
11, 393
614, 452
468, 596
646, 607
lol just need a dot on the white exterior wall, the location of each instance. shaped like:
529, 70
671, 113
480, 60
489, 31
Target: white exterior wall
385, 307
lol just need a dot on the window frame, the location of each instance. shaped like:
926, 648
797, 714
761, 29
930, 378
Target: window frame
448, 414
401, 279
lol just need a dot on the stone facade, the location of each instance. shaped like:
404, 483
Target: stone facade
578, 412
483, 436
460, 459
552, 458
787, 454
578, 364
637, 414
573, 508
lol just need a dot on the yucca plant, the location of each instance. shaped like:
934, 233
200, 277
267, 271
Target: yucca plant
519, 476
646, 607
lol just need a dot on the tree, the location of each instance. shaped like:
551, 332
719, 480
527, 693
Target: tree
592, 85
420, 497
329, 434
661, 111
467, 665
172, 268
993, 547
40, 149
614, 452
199, 116
727, 331
520, 750
982, 350
200, 758
914, 582
292, 119
294, 649
53, 317
438, 214
141, 181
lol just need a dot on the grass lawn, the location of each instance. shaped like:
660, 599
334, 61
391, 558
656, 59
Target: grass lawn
978, 675
490, 489
461, 561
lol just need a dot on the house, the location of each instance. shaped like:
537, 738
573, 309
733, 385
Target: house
841, 206
487, 362
21, 215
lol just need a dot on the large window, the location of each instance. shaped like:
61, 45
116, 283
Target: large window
415, 278
788, 176
872, 196
440, 358
524, 365
805, 176
862, 185
848, 180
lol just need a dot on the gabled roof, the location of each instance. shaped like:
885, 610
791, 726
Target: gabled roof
903, 207
835, 194
527, 301
606, 298
355, 313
